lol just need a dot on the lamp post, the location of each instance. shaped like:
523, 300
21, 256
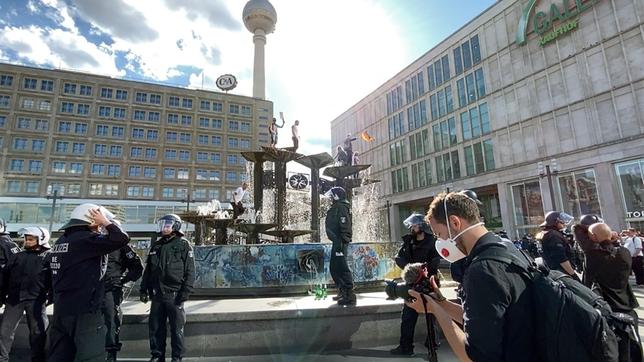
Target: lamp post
54, 197
187, 201
548, 170
388, 204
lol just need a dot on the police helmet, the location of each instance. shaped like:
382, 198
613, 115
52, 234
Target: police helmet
471, 195
554, 217
80, 216
3, 226
170, 220
336, 193
590, 219
416, 219
41, 233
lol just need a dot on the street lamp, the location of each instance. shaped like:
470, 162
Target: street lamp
54, 197
388, 205
548, 170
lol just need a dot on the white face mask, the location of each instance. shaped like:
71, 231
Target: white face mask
447, 247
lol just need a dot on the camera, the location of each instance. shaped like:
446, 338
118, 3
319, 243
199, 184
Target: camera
415, 277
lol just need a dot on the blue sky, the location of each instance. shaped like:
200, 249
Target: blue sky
191, 42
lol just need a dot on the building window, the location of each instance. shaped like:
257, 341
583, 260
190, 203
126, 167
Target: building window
458, 62
134, 171
82, 109
471, 90
202, 139
186, 103
233, 108
152, 135
116, 151
147, 191
170, 154
204, 105
631, 184
173, 101
150, 172
167, 192
20, 144
98, 169
13, 186
476, 49
244, 143
577, 193
150, 153
120, 113
62, 146
5, 101
106, 93
215, 140
232, 159
233, 125
118, 132
16, 165
29, 83
104, 111
246, 111
101, 130
76, 168
184, 155
141, 97
24, 123
446, 71
67, 107
78, 148
139, 115
35, 166
173, 118
217, 123
3, 121
85, 90
136, 152
186, 120
111, 190
183, 174
245, 127
73, 189
467, 55
527, 203
58, 167
155, 98
47, 85
42, 125
466, 127
32, 187
171, 136
133, 191
168, 173
96, 189
202, 156
215, 158
154, 116
121, 94
114, 170
217, 107
138, 133
231, 176
480, 82
6, 80
100, 150
37, 145
233, 142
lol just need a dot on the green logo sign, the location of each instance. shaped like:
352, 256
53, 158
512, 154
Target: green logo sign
544, 23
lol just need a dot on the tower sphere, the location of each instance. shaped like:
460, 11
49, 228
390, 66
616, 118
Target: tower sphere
259, 15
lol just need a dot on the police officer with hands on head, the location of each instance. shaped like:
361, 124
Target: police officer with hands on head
557, 252
419, 246
168, 281
78, 261
123, 266
338, 225
27, 287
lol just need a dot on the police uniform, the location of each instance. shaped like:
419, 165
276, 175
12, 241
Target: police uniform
8, 248
415, 251
338, 230
27, 286
123, 266
168, 279
78, 261
556, 249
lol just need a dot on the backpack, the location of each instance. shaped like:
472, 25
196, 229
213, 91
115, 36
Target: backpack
570, 320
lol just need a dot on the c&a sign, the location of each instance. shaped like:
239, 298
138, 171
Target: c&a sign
553, 22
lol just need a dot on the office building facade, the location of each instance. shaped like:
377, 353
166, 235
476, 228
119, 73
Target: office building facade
142, 149
535, 105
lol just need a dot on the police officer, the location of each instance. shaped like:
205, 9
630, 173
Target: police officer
78, 261
123, 266
27, 288
168, 281
338, 230
7, 247
419, 246
583, 241
557, 252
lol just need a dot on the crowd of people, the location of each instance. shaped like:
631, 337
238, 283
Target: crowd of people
84, 275
574, 302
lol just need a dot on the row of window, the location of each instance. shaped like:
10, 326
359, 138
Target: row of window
479, 158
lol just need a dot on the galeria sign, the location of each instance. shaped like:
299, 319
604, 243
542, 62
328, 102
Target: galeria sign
543, 23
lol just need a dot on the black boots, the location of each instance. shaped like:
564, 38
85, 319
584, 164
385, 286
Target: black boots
347, 297
111, 356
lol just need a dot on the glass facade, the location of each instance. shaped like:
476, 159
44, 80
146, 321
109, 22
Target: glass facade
527, 204
578, 193
631, 184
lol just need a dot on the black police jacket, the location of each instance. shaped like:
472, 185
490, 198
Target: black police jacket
169, 268
123, 266
78, 261
338, 223
496, 303
27, 277
582, 238
609, 267
556, 249
8, 248
419, 251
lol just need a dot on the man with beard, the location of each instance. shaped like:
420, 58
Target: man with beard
418, 247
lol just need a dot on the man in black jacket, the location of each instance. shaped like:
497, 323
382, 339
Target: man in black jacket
609, 267
123, 266
557, 251
493, 314
26, 288
168, 281
338, 226
419, 246
78, 261
7, 247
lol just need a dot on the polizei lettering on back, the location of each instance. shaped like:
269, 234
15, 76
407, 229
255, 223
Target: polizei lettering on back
543, 22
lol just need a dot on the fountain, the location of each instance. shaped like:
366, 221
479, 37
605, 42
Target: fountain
207, 218
315, 163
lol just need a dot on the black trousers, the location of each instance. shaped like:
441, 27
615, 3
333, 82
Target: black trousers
36, 321
113, 318
629, 350
77, 338
164, 308
638, 269
238, 209
339, 268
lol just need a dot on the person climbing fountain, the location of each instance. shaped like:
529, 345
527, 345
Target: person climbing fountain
238, 196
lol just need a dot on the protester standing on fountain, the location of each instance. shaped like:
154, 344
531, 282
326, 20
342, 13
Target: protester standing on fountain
338, 230
348, 147
168, 281
295, 135
123, 266
272, 129
340, 157
238, 196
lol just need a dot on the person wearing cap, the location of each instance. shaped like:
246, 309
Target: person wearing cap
609, 267
123, 266
495, 325
168, 281
77, 261
338, 226
419, 246
26, 290
557, 252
